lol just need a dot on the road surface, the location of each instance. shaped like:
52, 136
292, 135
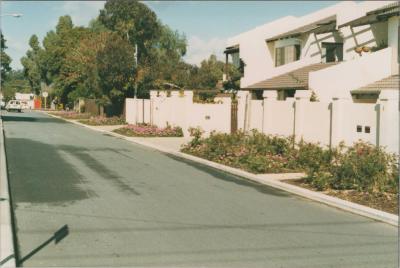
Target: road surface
128, 205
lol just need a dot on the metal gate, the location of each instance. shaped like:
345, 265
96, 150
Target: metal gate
234, 119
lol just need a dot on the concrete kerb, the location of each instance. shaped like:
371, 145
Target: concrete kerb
7, 253
263, 179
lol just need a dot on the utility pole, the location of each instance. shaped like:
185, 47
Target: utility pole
136, 65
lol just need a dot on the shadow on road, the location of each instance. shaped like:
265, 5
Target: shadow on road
231, 178
27, 118
59, 235
39, 174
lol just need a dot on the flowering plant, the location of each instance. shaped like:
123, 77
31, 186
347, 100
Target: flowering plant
147, 130
101, 120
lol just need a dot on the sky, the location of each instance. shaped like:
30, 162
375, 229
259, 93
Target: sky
206, 24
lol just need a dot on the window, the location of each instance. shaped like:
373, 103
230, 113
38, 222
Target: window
332, 52
287, 54
286, 93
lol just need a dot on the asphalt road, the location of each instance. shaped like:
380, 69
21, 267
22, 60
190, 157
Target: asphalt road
127, 205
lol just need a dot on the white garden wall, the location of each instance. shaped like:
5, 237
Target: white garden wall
278, 117
256, 113
180, 110
328, 123
313, 121
325, 122
351, 75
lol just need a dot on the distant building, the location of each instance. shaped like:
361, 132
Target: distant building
27, 100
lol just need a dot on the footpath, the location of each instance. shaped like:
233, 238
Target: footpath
7, 254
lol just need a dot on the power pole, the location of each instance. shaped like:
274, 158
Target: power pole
136, 65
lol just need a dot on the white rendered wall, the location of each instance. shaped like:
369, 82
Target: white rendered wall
254, 50
256, 115
362, 114
327, 123
279, 117
339, 80
179, 110
313, 121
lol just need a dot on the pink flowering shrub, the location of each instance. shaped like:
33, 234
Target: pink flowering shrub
146, 130
362, 166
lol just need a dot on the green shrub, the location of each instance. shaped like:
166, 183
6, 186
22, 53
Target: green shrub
365, 167
362, 167
196, 133
312, 157
321, 180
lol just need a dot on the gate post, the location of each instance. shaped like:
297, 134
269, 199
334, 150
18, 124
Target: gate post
234, 116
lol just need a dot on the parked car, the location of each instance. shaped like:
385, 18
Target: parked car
14, 105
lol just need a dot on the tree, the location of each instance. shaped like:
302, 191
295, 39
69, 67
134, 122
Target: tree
57, 45
15, 82
160, 49
166, 63
80, 72
5, 60
32, 64
96, 26
115, 63
132, 20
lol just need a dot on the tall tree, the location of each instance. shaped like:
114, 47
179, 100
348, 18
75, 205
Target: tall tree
133, 20
16, 82
80, 72
159, 48
32, 64
116, 68
5, 60
57, 45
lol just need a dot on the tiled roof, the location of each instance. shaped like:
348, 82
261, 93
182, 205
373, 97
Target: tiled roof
390, 8
293, 79
391, 82
376, 15
331, 20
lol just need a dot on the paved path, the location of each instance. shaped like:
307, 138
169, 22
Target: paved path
127, 205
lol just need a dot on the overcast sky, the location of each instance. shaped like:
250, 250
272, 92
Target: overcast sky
206, 24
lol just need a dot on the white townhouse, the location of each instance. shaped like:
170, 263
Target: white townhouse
347, 50
346, 54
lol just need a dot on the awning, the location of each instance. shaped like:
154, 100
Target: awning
374, 16
297, 79
231, 50
391, 82
322, 26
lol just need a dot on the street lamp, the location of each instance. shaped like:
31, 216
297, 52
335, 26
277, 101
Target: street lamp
15, 15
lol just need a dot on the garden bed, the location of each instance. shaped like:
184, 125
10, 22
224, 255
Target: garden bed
382, 201
361, 173
146, 130
71, 115
103, 121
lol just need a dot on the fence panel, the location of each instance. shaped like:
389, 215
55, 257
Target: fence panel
256, 115
279, 118
314, 124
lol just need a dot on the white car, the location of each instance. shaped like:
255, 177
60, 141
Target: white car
14, 105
